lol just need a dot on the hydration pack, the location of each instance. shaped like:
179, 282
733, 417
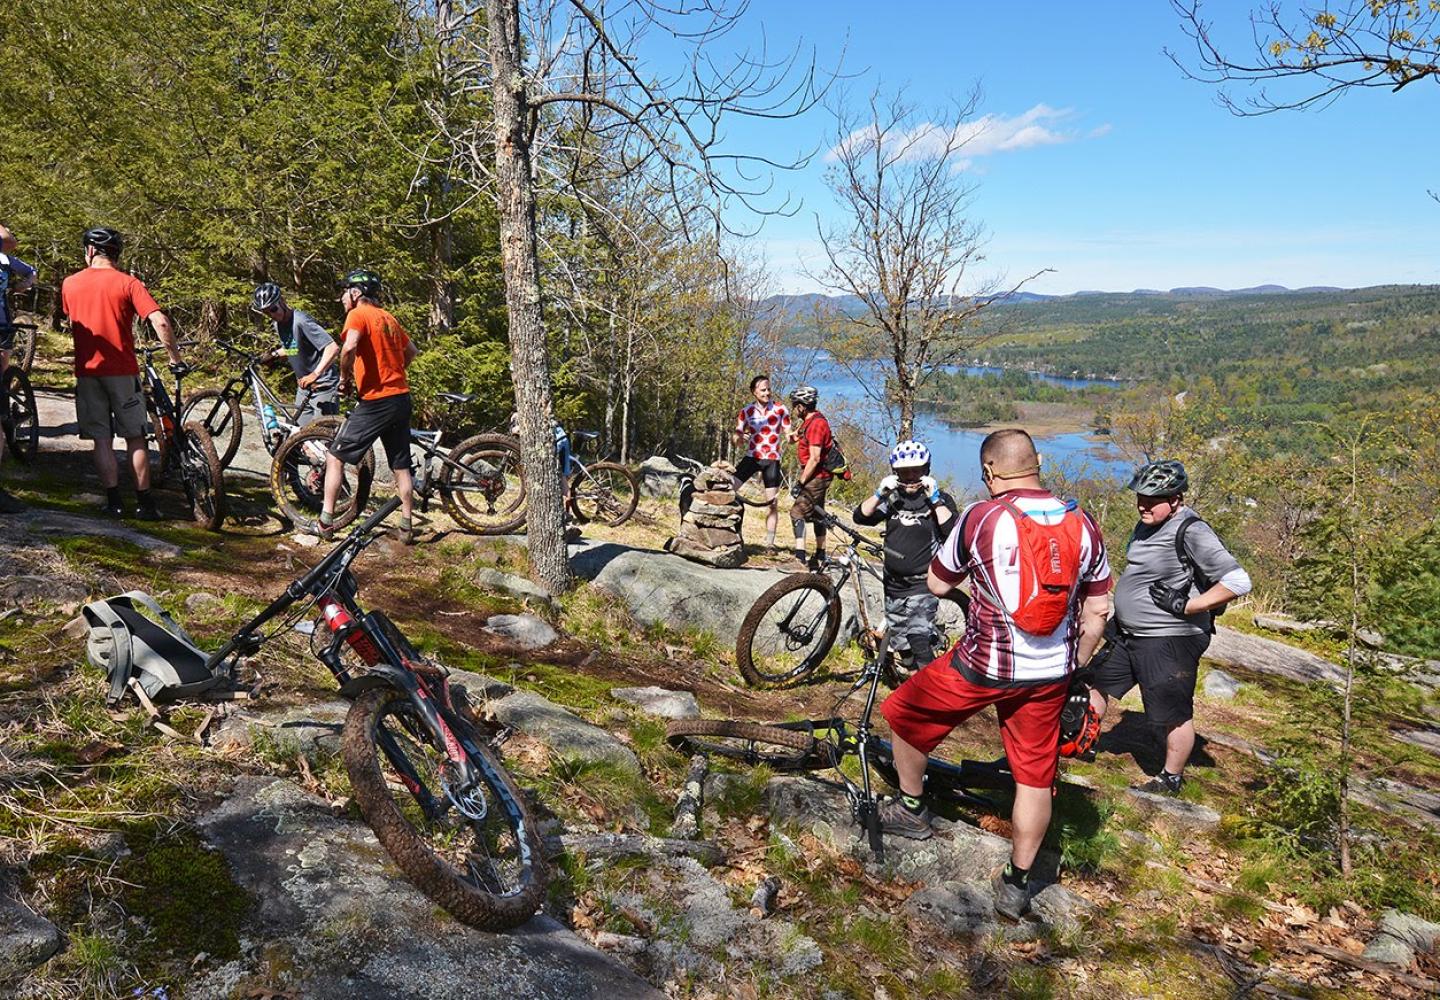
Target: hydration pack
131, 636
1200, 581
1049, 558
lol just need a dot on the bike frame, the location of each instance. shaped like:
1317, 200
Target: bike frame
250, 380
398, 666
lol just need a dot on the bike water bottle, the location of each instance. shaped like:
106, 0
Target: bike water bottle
337, 619
272, 422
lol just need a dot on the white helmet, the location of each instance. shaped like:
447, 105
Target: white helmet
909, 455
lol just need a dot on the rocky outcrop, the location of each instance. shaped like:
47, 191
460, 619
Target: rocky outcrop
661, 588
1178, 811
660, 477
332, 920
1400, 937
563, 731
508, 583
1257, 655
660, 702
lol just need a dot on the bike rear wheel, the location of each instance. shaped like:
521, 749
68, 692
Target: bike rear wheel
22, 351
788, 632
202, 476
483, 490
20, 417
752, 743
221, 416
297, 479
606, 492
483, 865
162, 439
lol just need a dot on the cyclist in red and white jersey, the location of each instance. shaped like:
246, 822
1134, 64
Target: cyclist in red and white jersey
1025, 675
761, 427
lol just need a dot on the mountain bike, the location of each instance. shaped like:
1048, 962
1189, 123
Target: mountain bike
792, 625
478, 480
182, 447
820, 744
427, 778
607, 492
23, 338
19, 419
223, 413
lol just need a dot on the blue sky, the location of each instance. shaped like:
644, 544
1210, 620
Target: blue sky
1139, 179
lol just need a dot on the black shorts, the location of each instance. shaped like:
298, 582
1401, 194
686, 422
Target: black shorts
769, 469
386, 419
1163, 665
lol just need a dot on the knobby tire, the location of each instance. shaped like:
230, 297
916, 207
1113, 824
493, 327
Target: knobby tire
594, 495
204, 479
21, 418
301, 506
751, 743
433, 875
488, 497
221, 415
825, 596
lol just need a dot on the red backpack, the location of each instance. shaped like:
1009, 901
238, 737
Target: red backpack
1049, 556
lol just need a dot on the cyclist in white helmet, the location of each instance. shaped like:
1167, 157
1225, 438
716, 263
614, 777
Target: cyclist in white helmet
917, 515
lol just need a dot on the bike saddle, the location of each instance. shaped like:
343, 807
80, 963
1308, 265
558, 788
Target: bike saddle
455, 397
585, 435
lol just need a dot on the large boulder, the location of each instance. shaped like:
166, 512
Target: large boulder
661, 588
1399, 937
1241, 651
562, 731
333, 921
660, 477
26, 940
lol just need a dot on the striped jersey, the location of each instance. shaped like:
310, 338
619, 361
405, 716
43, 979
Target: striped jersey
994, 651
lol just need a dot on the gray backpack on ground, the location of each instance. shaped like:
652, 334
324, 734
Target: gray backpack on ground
132, 636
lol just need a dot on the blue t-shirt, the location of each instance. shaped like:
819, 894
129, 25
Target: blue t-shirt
11, 267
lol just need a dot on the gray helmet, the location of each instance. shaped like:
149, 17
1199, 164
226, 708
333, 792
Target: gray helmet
805, 395
104, 239
1160, 479
266, 296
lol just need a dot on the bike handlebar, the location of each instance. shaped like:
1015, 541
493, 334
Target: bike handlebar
831, 521
347, 549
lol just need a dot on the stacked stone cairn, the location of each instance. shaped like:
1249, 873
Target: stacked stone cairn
710, 528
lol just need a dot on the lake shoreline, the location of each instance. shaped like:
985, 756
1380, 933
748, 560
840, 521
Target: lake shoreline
1040, 419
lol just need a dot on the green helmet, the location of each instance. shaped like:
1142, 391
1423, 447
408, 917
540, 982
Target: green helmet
367, 281
1160, 479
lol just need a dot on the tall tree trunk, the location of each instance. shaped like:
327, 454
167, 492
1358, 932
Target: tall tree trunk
529, 364
442, 288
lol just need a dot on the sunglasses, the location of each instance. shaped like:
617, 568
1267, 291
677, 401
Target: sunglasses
910, 475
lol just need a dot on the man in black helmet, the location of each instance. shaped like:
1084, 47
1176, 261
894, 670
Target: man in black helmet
102, 303
373, 359
310, 350
813, 442
1177, 575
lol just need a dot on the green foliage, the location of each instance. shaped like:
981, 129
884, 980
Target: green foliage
449, 364
975, 400
1407, 593
183, 893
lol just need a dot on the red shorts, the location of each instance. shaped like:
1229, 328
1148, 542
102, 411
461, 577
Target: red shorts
925, 709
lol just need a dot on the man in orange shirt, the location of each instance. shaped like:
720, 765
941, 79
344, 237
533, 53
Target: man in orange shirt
374, 353
102, 303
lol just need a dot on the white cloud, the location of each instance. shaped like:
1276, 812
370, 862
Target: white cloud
1041, 125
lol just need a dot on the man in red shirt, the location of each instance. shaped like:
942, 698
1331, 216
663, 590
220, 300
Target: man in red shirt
1024, 674
102, 303
813, 442
374, 353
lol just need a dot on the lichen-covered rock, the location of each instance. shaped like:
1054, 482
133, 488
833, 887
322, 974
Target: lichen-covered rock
1399, 937
526, 631
26, 940
660, 702
1189, 814
563, 731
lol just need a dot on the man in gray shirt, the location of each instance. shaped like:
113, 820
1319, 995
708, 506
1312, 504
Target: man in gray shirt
310, 350
1164, 608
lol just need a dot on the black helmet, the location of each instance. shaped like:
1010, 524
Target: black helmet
805, 395
267, 296
106, 240
1160, 479
367, 281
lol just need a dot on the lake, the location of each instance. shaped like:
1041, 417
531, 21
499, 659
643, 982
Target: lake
956, 449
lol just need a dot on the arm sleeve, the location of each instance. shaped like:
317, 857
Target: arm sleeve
946, 500
21, 268
1208, 552
142, 300
740, 422
316, 334
1237, 581
882, 511
784, 418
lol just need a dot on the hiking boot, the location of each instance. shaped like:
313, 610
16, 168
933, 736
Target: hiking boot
145, 510
896, 819
1164, 783
406, 533
1011, 901
325, 531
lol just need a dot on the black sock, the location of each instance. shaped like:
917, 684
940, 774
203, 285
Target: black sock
913, 803
112, 496
1018, 877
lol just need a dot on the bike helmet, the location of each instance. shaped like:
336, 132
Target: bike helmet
367, 281
909, 455
805, 395
267, 296
107, 241
1160, 479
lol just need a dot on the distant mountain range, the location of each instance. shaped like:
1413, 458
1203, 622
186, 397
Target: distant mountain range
809, 302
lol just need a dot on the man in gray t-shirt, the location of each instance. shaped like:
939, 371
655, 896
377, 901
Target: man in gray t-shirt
1163, 613
310, 350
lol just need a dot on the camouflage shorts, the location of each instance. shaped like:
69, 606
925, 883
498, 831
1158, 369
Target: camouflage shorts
911, 616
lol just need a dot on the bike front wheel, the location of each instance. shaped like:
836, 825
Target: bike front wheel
221, 416
606, 492
22, 351
297, 479
789, 631
481, 485
752, 743
202, 477
21, 418
475, 851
